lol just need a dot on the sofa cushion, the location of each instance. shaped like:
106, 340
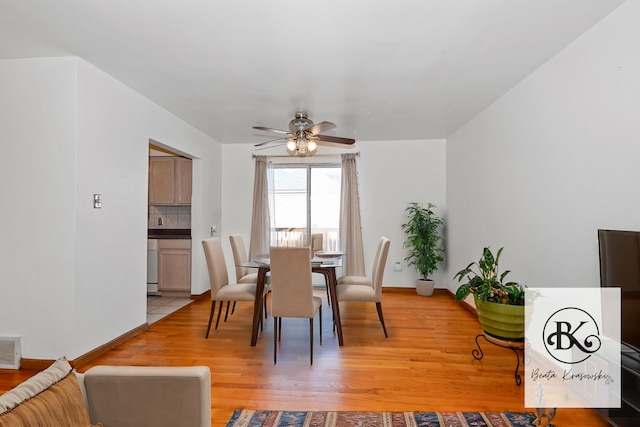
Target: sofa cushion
50, 398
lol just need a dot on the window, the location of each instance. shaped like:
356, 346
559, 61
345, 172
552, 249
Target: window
304, 200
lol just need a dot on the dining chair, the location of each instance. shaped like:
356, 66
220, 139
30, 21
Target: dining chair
317, 242
364, 289
221, 289
317, 245
292, 291
243, 274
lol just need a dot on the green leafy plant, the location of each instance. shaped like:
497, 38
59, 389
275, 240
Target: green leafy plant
423, 239
486, 284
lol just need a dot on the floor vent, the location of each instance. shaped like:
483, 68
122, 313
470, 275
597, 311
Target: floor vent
10, 352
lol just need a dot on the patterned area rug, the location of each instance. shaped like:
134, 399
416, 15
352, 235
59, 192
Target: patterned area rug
246, 418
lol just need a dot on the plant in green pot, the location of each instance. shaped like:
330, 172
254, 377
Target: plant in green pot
424, 243
500, 305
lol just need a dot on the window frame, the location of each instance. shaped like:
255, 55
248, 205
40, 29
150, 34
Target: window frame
308, 167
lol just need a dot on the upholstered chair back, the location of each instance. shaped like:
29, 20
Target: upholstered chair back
216, 264
317, 242
291, 289
239, 255
378, 266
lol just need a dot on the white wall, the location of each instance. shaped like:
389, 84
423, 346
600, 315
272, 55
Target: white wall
391, 174
552, 161
72, 277
37, 248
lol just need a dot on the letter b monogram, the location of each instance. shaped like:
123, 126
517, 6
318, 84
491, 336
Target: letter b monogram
574, 327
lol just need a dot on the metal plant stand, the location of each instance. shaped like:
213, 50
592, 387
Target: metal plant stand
515, 346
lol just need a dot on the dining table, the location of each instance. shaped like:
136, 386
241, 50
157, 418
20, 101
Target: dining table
325, 266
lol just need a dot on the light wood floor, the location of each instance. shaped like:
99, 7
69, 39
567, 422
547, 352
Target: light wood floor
424, 365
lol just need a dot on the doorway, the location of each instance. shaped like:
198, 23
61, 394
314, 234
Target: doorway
169, 245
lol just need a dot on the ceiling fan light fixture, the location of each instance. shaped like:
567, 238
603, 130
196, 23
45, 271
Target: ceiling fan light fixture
301, 146
304, 137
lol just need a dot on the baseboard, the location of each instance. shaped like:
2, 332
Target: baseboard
397, 290
465, 304
409, 290
204, 295
42, 364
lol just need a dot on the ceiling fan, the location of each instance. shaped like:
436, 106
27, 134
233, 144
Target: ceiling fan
304, 136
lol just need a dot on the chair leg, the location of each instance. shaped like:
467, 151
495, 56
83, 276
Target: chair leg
233, 309
226, 314
219, 313
275, 340
333, 316
334, 322
320, 325
213, 307
326, 282
311, 340
379, 308
265, 305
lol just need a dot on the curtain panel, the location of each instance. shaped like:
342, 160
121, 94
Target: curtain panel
260, 221
350, 225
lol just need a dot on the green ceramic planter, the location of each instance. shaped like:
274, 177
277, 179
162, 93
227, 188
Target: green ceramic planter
501, 320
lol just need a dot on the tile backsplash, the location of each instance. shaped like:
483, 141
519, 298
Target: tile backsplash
174, 217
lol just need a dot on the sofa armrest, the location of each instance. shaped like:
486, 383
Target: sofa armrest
133, 396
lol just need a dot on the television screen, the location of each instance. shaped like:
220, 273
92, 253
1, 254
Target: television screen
620, 267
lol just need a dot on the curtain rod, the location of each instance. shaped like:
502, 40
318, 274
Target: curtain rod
357, 153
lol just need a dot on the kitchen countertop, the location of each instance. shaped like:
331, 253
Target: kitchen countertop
169, 233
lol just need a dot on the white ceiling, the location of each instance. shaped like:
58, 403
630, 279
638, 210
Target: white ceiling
380, 70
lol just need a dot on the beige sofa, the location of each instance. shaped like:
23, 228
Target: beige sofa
110, 396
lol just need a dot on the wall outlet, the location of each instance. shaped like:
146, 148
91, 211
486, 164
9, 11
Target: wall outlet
397, 266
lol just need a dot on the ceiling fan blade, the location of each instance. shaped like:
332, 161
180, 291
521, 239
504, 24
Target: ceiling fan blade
271, 130
321, 127
268, 142
335, 139
266, 147
334, 144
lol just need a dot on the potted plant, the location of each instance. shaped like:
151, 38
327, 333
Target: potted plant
424, 243
500, 305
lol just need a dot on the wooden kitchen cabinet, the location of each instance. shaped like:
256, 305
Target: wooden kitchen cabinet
170, 181
183, 181
174, 265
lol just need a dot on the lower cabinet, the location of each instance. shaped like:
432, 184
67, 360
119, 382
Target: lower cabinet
628, 415
174, 265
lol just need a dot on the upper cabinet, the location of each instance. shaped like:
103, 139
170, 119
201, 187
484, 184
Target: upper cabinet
183, 181
169, 181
